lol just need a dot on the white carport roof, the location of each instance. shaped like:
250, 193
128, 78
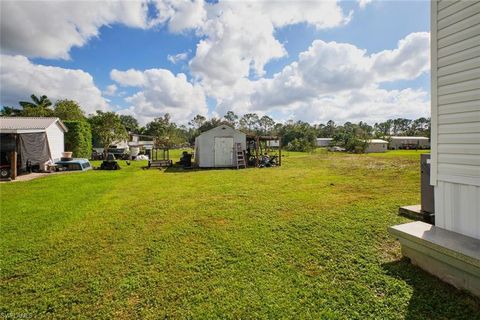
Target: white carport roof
28, 124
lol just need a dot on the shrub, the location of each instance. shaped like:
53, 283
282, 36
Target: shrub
300, 144
350, 142
78, 139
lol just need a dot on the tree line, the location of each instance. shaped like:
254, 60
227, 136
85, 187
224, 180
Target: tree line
108, 127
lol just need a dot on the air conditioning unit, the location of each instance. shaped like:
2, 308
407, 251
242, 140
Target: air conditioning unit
426, 191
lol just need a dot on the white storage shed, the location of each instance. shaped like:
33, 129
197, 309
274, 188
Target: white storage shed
376, 145
323, 142
36, 139
406, 142
215, 148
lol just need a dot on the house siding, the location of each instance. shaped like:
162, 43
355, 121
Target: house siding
455, 69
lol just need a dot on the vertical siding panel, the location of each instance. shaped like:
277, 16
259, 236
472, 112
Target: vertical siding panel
476, 212
439, 205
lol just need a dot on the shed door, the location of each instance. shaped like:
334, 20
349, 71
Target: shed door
223, 151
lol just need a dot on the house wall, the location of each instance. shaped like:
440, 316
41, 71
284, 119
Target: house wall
323, 143
455, 70
56, 143
205, 144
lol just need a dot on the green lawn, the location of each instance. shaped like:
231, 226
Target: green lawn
307, 240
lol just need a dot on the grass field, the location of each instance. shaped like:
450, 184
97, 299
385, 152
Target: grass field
307, 240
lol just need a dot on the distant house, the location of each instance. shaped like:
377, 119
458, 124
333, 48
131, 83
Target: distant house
36, 140
138, 142
215, 148
273, 143
323, 142
376, 145
400, 142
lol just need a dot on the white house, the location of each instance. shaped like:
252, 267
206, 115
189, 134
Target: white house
138, 142
376, 145
37, 139
451, 248
323, 142
215, 148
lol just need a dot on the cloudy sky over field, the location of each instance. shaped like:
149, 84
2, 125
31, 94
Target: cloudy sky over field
311, 61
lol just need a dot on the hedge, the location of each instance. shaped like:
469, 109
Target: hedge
78, 139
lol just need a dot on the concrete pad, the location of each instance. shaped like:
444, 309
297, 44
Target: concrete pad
453, 257
413, 211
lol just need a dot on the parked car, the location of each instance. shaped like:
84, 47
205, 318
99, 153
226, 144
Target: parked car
73, 165
336, 149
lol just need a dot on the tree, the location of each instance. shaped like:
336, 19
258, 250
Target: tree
298, 136
383, 129
350, 142
40, 107
68, 110
130, 123
231, 118
107, 128
249, 121
329, 130
166, 133
212, 123
197, 121
10, 112
266, 123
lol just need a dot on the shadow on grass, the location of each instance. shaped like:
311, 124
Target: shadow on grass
432, 298
180, 169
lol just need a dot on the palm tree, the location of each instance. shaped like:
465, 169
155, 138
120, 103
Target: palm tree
42, 102
40, 107
9, 112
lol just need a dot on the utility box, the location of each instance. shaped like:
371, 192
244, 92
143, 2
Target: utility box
426, 191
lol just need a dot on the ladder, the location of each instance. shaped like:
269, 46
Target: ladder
240, 156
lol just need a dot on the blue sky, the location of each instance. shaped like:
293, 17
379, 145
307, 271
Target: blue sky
132, 43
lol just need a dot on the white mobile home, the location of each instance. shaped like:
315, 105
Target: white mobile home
215, 148
376, 145
455, 73
450, 249
323, 142
404, 142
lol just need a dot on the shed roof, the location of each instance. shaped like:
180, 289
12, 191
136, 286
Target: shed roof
221, 127
324, 139
377, 141
408, 138
28, 124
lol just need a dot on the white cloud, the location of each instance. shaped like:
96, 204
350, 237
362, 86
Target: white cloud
368, 104
238, 37
49, 29
111, 90
180, 14
161, 92
331, 69
178, 57
408, 61
20, 78
363, 3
